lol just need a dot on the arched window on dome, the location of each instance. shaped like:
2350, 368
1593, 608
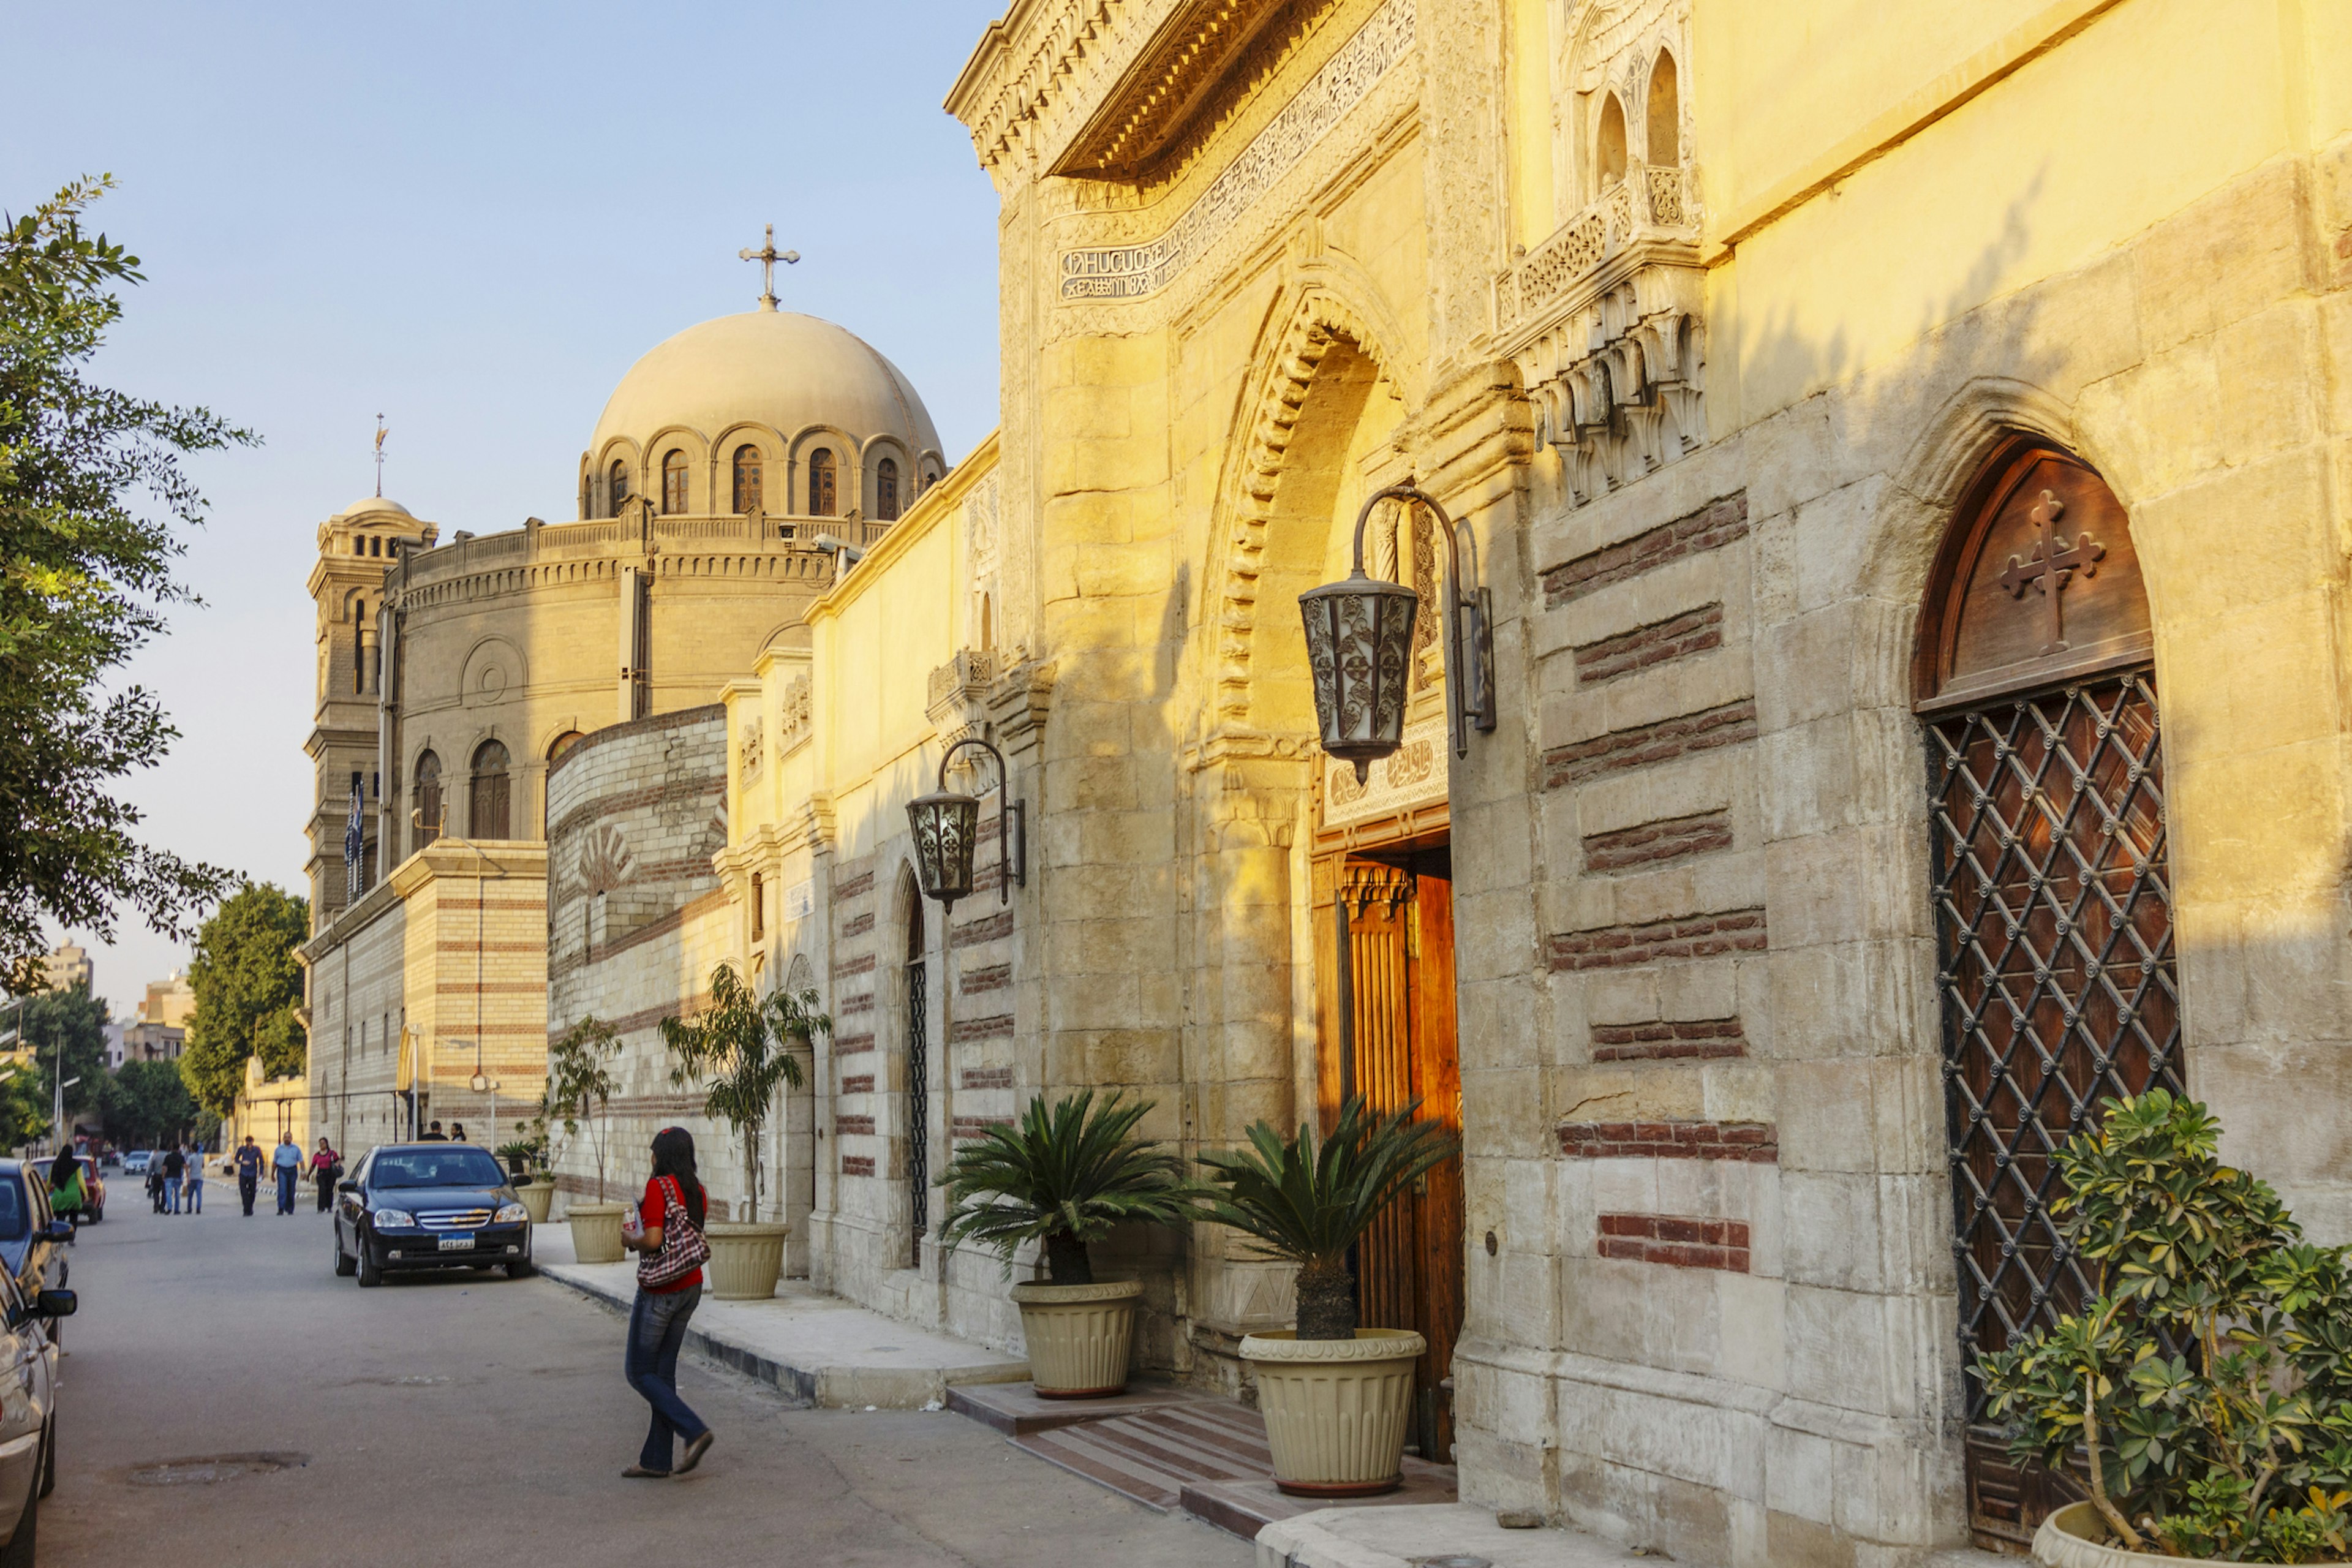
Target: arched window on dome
673, 483
886, 489
820, 483
427, 821
747, 478
485, 800
617, 487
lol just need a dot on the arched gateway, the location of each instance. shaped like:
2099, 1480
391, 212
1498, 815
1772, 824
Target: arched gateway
2053, 906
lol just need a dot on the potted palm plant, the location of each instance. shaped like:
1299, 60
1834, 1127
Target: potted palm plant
580, 1085
740, 1047
1060, 1178
1337, 1397
526, 1158
2205, 1391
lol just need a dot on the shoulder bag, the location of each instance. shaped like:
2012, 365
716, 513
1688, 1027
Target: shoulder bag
683, 1249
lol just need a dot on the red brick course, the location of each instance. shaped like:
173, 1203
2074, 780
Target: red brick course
1649, 942
1677, 637
1751, 1142
853, 1126
1711, 527
854, 966
988, 1078
850, 1044
996, 1027
1732, 725
857, 1164
861, 1003
1653, 843
1673, 1039
859, 1083
996, 925
968, 1128
1677, 1241
989, 977
857, 925
853, 887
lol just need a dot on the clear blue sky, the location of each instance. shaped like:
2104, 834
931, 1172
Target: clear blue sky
471, 218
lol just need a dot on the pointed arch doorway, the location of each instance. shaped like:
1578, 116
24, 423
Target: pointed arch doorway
2055, 974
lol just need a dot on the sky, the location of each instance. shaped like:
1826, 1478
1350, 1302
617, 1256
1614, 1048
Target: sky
471, 219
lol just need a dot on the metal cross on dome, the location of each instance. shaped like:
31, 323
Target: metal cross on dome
2052, 563
767, 255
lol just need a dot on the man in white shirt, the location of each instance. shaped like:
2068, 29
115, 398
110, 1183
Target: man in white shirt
288, 1162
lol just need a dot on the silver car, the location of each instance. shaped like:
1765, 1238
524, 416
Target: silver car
28, 1414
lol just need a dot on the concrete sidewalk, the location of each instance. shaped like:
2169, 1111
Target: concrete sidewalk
1373, 1537
811, 1347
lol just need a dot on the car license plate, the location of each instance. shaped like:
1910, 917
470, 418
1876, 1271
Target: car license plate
456, 1244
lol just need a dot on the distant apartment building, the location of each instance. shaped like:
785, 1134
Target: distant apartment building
67, 966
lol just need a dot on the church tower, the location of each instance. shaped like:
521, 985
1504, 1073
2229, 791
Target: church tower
356, 547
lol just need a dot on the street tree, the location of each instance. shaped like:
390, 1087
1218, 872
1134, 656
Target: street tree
72, 1020
249, 986
740, 1050
146, 1104
93, 504
580, 1082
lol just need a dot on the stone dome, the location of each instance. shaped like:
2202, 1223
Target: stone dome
374, 503
775, 368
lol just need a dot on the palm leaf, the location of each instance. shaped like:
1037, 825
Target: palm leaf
1305, 1202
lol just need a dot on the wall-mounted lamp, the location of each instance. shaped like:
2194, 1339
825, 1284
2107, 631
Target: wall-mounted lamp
947, 827
1359, 648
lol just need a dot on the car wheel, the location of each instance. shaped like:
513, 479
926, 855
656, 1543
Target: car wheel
371, 1275
96, 1214
344, 1267
49, 1456
19, 1552
520, 1268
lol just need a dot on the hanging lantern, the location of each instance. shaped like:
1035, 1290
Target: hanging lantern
945, 825
1359, 648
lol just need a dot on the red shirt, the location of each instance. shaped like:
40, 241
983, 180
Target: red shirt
650, 1210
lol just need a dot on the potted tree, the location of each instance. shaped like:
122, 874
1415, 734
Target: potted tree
580, 1083
1060, 1178
2205, 1390
739, 1047
526, 1158
1336, 1398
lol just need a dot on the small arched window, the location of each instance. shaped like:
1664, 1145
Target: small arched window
673, 483
1611, 165
1664, 114
747, 479
617, 487
987, 623
359, 546
427, 821
759, 908
486, 805
886, 489
562, 744
820, 483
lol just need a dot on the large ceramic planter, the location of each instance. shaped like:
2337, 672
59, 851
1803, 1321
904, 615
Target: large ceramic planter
746, 1261
596, 1231
2076, 1537
1336, 1410
1079, 1336
536, 1197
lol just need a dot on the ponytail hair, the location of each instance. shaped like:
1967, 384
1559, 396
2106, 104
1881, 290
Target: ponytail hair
674, 1158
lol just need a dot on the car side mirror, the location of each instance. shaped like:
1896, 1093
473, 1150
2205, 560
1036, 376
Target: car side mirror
62, 1230
55, 1304
347, 1186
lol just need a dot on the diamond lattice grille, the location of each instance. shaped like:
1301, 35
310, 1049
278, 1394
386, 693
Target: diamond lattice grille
2054, 918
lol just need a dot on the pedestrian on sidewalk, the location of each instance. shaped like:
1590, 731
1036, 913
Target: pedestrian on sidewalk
192, 1186
287, 1162
248, 1173
67, 1192
457, 1132
155, 1180
433, 1134
667, 1230
175, 1167
326, 1169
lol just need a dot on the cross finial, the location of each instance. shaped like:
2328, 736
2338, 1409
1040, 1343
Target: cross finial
379, 457
767, 255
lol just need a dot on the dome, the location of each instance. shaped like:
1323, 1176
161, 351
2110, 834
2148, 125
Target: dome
775, 368
374, 503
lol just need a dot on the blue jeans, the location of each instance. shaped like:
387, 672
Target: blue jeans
656, 1330
285, 1189
195, 1190
172, 1194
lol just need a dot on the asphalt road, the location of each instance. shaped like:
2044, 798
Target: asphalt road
470, 1419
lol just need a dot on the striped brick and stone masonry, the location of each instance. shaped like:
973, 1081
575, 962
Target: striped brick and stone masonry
1651, 942
1669, 1039
1655, 843
1643, 745
857, 1164
1747, 1142
1679, 1241
1644, 647
1711, 527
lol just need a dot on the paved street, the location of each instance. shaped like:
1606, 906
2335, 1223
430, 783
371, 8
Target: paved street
468, 1418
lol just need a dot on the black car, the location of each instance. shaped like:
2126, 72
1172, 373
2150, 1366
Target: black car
429, 1205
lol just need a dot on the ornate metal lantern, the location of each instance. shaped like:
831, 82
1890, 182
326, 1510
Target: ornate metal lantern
1360, 648
945, 825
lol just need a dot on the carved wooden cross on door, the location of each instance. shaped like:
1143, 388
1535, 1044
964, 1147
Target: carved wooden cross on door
2052, 565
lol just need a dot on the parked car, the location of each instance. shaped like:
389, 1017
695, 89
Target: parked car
32, 1252
135, 1162
28, 1414
93, 1186
429, 1205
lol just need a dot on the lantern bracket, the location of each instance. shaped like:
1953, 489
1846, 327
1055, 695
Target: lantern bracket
1012, 819
1469, 618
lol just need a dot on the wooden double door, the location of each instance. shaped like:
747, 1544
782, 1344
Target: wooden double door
1386, 1031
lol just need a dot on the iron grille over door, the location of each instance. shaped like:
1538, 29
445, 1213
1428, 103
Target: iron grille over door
2056, 981
919, 1109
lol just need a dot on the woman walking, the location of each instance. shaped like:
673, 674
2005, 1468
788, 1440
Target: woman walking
326, 1169
667, 1230
66, 1191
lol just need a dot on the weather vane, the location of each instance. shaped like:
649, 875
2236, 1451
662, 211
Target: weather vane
767, 255
379, 457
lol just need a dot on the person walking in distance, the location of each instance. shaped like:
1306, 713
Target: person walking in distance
325, 1166
192, 1185
288, 1162
175, 1168
667, 1230
248, 1173
433, 1134
67, 1192
155, 1180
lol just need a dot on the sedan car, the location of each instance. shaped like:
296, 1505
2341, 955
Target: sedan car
28, 1416
429, 1205
135, 1162
32, 1244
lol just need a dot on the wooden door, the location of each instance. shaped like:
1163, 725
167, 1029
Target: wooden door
1389, 1035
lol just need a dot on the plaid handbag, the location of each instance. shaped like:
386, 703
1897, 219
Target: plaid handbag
683, 1250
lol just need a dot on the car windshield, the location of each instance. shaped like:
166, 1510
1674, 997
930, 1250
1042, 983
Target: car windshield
435, 1168
13, 1218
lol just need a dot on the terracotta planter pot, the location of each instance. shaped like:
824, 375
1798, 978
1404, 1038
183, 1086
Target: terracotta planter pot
536, 1196
2076, 1537
1336, 1410
746, 1261
596, 1231
1079, 1336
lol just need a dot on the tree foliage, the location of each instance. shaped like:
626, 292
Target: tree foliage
249, 986
86, 575
2208, 1384
738, 1047
74, 1019
578, 1077
146, 1104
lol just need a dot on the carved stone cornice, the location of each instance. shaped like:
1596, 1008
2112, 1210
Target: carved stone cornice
1170, 81
957, 694
1018, 702
1472, 436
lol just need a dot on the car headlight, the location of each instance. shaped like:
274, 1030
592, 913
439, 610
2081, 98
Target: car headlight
394, 1219
510, 1213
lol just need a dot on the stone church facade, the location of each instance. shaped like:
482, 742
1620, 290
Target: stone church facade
1908, 460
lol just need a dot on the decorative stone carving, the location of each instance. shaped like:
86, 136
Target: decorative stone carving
796, 721
748, 755
958, 694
